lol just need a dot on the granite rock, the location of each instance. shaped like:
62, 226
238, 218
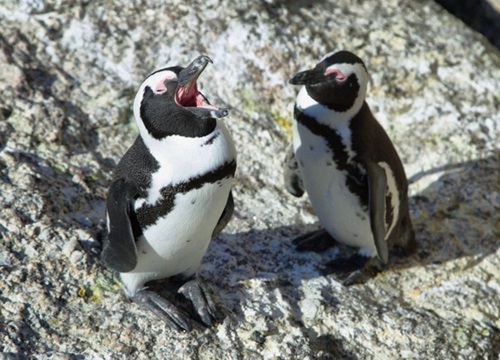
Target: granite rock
68, 74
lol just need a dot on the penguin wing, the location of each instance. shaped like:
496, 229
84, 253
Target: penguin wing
119, 252
377, 184
226, 215
293, 181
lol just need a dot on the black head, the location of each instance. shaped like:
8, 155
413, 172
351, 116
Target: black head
168, 103
338, 81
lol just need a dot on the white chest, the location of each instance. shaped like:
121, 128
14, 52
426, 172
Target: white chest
182, 158
339, 210
179, 238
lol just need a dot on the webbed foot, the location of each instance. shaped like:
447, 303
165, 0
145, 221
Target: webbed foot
174, 317
180, 316
202, 302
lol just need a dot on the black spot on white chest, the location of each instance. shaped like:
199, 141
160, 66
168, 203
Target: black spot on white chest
211, 139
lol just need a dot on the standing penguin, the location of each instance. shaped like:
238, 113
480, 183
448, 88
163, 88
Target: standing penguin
347, 164
171, 192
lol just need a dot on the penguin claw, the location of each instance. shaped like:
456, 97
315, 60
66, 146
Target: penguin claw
202, 302
317, 241
174, 317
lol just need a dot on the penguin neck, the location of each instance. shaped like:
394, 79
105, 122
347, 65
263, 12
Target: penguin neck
182, 147
324, 114
173, 129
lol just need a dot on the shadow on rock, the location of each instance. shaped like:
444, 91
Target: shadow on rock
455, 217
458, 215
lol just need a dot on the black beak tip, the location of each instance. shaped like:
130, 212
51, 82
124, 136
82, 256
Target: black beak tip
193, 70
296, 79
204, 59
307, 77
293, 80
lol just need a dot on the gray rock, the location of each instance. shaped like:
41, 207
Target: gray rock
68, 74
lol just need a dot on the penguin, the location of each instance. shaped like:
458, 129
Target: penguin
170, 194
342, 157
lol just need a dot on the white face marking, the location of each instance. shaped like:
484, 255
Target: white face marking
349, 69
336, 120
328, 55
331, 117
392, 191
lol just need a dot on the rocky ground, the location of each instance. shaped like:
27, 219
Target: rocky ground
68, 75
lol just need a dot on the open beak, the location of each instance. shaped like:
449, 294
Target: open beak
189, 75
187, 94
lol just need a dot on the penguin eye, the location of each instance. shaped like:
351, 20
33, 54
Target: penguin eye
340, 78
160, 88
339, 75
160, 80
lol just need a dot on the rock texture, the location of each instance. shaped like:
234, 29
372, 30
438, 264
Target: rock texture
68, 74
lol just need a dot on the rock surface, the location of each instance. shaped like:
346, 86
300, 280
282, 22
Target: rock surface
68, 74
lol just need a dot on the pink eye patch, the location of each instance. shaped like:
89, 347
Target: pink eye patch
340, 75
160, 87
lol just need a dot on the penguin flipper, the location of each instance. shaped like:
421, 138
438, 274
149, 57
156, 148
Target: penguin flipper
226, 215
293, 181
377, 184
119, 252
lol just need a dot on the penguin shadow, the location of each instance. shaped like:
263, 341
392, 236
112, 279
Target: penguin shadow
453, 217
234, 261
456, 216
